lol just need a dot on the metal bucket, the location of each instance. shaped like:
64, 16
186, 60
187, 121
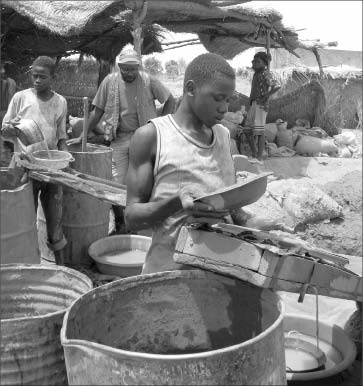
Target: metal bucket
34, 299
18, 230
180, 327
29, 132
85, 218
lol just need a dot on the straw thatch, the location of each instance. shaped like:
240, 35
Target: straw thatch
343, 90
102, 28
306, 102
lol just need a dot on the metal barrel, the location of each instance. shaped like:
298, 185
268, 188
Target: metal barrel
18, 229
180, 327
34, 299
85, 218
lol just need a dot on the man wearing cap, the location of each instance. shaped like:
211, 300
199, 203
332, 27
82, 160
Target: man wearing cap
125, 101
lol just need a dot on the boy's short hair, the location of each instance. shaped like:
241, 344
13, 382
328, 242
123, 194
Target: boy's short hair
207, 67
45, 61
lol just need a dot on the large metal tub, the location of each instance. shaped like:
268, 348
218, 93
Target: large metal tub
85, 218
34, 299
180, 327
18, 229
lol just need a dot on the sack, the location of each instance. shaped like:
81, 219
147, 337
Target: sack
232, 121
233, 128
77, 126
234, 117
267, 214
234, 147
303, 123
347, 138
344, 152
312, 146
270, 132
314, 132
285, 138
282, 151
304, 201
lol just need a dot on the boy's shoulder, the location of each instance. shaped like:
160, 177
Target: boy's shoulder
60, 97
22, 95
27, 91
221, 128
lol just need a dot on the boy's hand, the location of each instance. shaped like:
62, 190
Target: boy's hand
62, 145
9, 130
197, 209
74, 141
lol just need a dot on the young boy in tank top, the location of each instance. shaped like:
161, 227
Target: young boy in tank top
178, 157
49, 110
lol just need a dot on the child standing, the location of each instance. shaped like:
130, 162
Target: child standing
49, 110
263, 86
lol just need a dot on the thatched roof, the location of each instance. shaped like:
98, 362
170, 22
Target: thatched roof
102, 28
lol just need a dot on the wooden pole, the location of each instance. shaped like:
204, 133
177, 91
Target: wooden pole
318, 59
138, 17
268, 46
85, 124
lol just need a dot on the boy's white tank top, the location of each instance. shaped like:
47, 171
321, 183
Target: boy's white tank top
181, 161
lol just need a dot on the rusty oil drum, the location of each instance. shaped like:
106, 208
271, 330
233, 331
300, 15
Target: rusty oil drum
18, 229
34, 299
180, 327
86, 218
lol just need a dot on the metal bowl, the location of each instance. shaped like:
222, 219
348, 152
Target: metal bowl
53, 159
244, 192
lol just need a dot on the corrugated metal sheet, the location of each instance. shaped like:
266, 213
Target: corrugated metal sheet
34, 299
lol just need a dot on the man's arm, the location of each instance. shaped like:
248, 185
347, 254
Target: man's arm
140, 213
96, 114
272, 91
61, 127
274, 86
169, 106
8, 130
94, 118
163, 95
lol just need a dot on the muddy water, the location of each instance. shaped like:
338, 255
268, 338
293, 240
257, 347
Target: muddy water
128, 257
298, 360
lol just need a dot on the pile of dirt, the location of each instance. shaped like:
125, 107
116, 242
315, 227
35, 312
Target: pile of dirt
342, 235
341, 179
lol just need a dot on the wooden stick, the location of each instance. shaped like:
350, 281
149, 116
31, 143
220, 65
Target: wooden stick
179, 42
85, 124
102, 192
268, 45
182, 45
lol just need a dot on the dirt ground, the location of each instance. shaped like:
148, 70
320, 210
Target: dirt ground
342, 180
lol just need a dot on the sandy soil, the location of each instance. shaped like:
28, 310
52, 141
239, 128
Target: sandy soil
342, 180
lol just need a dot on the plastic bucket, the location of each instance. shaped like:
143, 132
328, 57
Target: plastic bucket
34, 299
336, 344
18, 229
180, 327
121, 255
